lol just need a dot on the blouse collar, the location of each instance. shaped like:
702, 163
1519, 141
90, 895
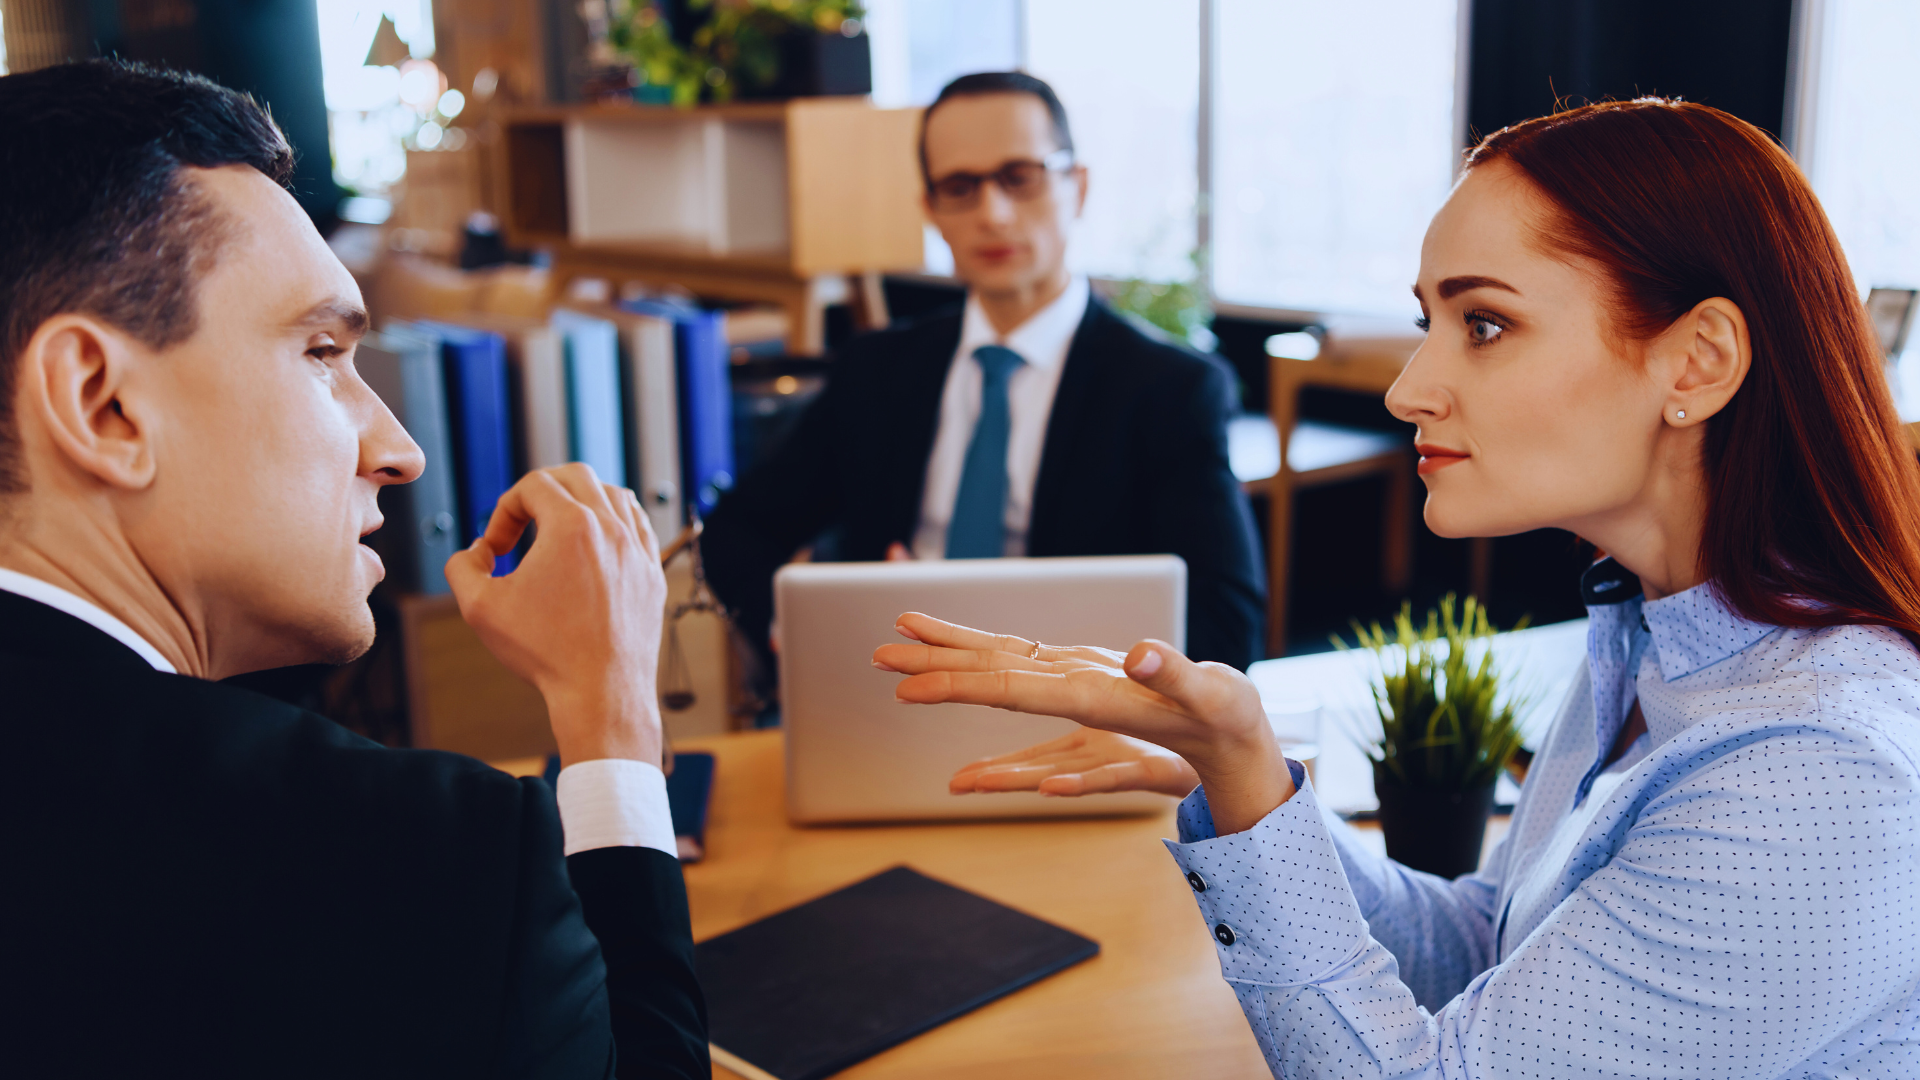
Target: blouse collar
1691, 630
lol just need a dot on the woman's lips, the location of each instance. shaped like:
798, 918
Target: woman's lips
1435, 458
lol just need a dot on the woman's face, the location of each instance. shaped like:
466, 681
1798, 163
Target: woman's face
1529, 414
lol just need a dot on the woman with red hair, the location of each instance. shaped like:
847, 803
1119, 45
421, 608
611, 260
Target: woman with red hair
1641, 329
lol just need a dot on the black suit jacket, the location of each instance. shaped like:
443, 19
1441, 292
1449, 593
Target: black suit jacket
201, 881
1134, 463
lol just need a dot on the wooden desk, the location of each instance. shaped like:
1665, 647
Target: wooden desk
1151, 1005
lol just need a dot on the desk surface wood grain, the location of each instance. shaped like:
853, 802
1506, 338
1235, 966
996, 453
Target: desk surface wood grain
1151, 1005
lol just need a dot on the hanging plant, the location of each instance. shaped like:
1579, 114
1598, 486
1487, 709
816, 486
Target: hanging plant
730, 48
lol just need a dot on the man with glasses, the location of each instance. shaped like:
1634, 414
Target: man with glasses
1031, 421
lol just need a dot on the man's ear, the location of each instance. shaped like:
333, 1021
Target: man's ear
1708, 353
73, 379
1080, 187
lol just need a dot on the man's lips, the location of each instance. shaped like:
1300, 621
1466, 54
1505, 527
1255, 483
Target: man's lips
1434, 458
994, 251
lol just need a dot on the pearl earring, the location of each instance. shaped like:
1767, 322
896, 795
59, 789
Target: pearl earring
1682, 413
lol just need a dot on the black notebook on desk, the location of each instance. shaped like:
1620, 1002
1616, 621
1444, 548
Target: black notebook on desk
810, 991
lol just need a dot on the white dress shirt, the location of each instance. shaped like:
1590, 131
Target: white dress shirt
605, 803
1042, 341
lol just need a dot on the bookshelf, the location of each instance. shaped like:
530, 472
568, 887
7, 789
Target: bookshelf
774, 202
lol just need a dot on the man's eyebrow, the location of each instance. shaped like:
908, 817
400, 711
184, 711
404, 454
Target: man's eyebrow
1454, 286
336, 311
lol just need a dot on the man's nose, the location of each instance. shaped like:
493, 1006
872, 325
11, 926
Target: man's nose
995, 204
387, 452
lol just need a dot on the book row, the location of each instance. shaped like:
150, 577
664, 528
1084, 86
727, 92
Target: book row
638, 390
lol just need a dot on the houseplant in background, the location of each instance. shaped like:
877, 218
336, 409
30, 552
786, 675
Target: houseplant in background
1448, 724
1180, 308
688, 51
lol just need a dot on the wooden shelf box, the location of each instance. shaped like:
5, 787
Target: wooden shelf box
776, 202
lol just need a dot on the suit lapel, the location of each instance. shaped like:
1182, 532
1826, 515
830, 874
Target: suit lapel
1078, 381
916, 415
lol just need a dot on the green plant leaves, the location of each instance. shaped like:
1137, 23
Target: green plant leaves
1444, 722
734, 46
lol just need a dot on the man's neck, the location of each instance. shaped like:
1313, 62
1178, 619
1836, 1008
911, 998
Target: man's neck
1008, 309
104, 570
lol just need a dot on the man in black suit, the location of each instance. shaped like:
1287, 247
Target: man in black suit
1033, 421
204, 882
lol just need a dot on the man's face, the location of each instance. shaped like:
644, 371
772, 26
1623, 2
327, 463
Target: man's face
1002, 244
268, 448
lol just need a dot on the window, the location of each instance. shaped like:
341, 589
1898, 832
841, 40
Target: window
382, 92
1333, 146
1863, 149
1128, 72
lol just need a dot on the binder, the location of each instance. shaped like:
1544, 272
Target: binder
474, 363
403, 367
706, 399
809, 991
593, 394
539, 364
652, 429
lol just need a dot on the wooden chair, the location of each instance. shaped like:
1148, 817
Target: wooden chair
1317, 454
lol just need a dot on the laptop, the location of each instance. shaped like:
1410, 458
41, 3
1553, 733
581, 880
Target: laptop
854, 753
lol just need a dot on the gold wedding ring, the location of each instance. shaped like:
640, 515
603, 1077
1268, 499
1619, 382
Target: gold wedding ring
1035, 654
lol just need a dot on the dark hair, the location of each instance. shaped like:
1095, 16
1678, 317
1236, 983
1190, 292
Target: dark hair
96, 215
1813, 494
998, 82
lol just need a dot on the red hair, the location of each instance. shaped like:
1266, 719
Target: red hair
1813, 493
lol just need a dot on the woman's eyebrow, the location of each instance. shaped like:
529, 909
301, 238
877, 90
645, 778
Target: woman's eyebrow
1454, 286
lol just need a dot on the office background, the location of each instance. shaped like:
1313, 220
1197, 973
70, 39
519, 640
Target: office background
1278, 158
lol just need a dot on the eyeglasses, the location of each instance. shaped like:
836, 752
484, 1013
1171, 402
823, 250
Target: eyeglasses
1023, 181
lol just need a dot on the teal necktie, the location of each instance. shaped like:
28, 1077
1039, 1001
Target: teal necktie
979, 526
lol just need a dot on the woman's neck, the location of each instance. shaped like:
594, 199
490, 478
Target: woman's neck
1657, 534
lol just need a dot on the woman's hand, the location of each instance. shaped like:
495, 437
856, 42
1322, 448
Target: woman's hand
1209, 714
1087, 762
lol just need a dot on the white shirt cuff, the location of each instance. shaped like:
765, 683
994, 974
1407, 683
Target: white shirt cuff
615, 802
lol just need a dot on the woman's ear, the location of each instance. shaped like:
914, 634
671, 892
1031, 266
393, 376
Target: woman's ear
1708, 353
73, 378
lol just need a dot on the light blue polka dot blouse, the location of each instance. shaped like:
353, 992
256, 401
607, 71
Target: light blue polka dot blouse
1739, 897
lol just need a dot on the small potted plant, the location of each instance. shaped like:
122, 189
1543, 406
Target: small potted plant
1448, 726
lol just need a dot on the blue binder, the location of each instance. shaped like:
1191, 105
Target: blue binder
706, 399
596, 434
421, 533
481, 418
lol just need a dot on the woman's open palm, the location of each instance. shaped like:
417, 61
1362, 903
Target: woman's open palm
1208, 715
1085, 762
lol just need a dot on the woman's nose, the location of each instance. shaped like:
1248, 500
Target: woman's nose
1415, 396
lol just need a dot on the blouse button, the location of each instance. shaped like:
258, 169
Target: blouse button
1194, 879
1224, 933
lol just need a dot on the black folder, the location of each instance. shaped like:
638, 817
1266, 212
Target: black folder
813, 989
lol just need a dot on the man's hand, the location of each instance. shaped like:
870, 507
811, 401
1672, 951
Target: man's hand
1209, 714
1086, 762
581, 616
